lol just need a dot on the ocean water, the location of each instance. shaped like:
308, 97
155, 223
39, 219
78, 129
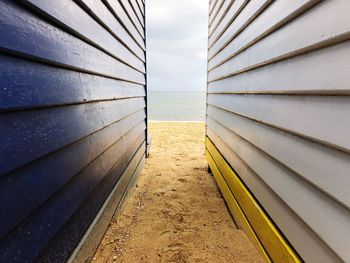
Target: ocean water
176, 105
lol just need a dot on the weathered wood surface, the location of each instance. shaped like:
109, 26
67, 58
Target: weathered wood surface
73, 111
278, 86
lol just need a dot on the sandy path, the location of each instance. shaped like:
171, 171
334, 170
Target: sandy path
176, 213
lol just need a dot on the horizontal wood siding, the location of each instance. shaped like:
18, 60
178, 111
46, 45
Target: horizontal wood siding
72, 119
277, 111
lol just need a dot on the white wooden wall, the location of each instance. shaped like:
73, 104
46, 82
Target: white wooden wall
278, 109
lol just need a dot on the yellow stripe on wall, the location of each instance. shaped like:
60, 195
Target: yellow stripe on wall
240, 219
261, 230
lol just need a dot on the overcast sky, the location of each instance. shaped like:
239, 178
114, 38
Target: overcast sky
177, 44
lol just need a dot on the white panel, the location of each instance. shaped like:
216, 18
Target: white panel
275, 16
296, 75
324, 167
327, 218
303, 239
235, 9
312, 117
211, 6
226, 5
322, 27
215, 10
248, 14
278, 106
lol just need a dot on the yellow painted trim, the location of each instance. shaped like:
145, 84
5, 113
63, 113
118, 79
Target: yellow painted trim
235, 209
265, 230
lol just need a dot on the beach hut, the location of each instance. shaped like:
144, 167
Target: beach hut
72, 122
278, 123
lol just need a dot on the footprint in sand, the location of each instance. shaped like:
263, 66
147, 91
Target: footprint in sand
159, 193
182, 180
202, 169
159, 226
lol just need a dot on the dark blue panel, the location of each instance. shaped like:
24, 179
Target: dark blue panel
26, 136
26, 241
25, 84
101, 13
117, 9
74, 20
40, 40
60, 248
72, 116
29, 187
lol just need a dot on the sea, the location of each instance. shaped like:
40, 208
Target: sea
176, 105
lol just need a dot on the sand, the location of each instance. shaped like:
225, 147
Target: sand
176, 213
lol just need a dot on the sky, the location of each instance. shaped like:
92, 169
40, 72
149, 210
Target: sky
177, 44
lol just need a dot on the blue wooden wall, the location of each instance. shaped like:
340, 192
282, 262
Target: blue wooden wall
72, 118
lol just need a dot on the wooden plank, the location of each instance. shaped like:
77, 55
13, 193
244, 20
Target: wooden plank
69, 51
290, 41
328, 219
268, 235
211, 6
302, 238
247, 15
137, 11
311, 117
26, 136
115, 25
235, 209
24, 189
111, 208
141, 6
47, 221
99, 11
116, 8
321, 162
220, 16
215, 11
231, 15
278, 14
295, 75
74, 19
131, 14
26, 85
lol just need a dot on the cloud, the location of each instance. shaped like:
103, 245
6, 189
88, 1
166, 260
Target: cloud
177, 44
